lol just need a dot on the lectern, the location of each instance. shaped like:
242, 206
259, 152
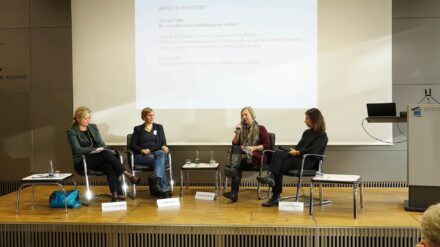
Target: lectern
423, 156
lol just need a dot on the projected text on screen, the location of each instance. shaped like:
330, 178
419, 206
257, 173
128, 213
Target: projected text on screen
226, 54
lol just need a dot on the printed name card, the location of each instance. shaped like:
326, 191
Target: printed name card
169, 202
291, 206
113, 206
208, 196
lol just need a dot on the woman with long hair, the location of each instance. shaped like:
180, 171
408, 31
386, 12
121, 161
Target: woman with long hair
313, 141
248, 143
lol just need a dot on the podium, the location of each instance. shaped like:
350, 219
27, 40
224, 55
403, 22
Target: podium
423, 153
423, 156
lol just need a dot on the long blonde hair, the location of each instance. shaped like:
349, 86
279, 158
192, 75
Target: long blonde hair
249, 137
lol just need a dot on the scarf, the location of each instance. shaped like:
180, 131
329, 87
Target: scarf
250, 137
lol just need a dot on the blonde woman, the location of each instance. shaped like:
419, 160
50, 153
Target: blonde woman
431, 227
84, 139
249, 140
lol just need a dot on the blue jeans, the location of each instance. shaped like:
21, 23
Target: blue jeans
155, 160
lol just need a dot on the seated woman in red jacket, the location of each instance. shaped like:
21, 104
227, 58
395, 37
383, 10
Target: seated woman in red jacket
249, 141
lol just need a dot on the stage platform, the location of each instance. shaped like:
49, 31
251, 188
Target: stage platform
382, 222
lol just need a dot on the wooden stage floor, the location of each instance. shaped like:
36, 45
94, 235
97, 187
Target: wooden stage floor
383, 208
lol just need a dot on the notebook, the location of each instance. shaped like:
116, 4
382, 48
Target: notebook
381, 109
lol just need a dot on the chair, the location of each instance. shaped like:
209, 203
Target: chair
262, 167
135, 168
92, 172
301, 173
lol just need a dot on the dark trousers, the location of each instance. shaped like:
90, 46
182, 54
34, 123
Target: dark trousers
235, 182
281, 162
109, 163
239, 161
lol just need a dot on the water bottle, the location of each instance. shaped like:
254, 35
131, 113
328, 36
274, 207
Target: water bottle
197, 160
320, 172
51, 170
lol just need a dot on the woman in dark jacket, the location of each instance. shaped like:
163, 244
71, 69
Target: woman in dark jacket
314, 141
84, 139
150, 147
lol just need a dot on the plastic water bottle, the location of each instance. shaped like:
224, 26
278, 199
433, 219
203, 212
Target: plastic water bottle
197, 160
321, 173
51, 170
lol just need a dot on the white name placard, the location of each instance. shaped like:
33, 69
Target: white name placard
208, 196
113, 206
291, 206
169, 202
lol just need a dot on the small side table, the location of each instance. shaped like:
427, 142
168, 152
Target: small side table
354, 180
44, 179
199, 167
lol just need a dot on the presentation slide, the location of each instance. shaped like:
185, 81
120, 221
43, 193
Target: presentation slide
211, 55
199, 62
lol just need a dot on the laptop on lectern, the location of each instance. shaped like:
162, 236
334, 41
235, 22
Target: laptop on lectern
381, 109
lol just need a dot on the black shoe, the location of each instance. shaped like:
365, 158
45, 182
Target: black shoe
157, 187
273, 201
269, 180
134, 180
231, 172
115, 199
232, 195
166, 194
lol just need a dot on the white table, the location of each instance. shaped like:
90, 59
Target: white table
199, 167
354, 180
44, 179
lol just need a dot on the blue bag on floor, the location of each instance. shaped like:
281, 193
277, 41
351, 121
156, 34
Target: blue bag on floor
56, 199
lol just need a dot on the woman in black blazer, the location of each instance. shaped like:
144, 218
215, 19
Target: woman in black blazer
313, 141
150, 147
84, 139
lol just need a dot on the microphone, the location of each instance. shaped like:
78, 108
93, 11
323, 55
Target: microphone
238, 129
243, 123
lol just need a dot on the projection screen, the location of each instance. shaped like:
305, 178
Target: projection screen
198, 62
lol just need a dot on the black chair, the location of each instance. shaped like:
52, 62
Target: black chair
260, 168
301, 173
87, 172
135, 168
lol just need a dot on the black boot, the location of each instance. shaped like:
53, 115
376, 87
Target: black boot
154, 185
273, 201
166, 194
231, 195
269, 180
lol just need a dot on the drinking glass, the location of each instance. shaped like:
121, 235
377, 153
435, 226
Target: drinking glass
212, 160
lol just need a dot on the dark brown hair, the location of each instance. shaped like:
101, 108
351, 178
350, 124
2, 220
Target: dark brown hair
317, 119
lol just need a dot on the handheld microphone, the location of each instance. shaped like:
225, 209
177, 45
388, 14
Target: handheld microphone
243, 123
238, 129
